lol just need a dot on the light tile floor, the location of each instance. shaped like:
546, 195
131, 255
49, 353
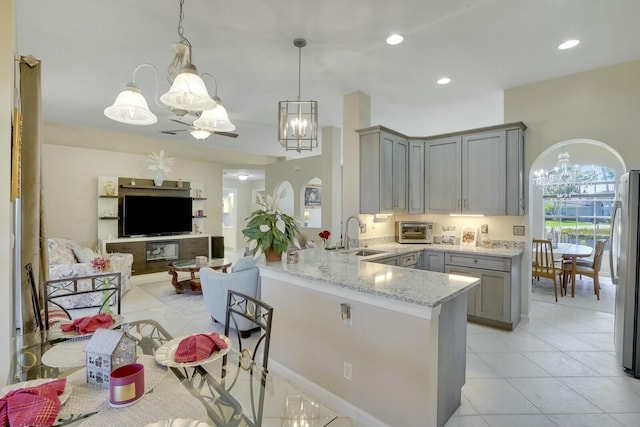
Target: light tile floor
558, 368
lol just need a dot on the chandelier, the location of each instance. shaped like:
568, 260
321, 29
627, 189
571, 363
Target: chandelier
564, 179
187, 93
298, 120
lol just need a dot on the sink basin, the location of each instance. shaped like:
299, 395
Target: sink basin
365, 252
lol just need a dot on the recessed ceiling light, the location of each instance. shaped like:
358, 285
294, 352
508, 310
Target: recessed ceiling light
569, 44
394, 39
243, 176
444, 81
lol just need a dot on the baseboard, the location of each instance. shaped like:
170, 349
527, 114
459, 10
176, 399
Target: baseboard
357, 415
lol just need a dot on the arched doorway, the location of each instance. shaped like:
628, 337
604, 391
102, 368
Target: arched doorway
576, 213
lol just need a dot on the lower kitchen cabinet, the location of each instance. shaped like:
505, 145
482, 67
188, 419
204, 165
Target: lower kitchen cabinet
432, 261
496, 301
405, 260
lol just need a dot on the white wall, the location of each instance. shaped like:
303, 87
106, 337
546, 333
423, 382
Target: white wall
70, 186
7, 64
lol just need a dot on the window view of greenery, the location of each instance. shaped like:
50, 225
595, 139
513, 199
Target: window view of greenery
577, 209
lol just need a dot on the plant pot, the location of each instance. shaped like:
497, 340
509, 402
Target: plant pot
271, 255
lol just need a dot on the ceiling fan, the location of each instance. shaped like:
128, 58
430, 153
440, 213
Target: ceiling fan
196, 132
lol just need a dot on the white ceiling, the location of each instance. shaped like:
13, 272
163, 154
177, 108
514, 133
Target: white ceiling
90, 48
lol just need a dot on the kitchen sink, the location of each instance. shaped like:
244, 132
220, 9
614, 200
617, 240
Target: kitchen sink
365, 252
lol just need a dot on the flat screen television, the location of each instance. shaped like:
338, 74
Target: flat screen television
155, 215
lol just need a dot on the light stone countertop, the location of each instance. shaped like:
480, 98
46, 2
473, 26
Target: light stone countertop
341, 270
392, 249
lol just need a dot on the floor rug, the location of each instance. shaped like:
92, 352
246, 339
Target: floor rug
183, 303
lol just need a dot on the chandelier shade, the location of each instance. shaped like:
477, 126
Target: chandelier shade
216, 119
200, 134
130, 107
298, 120
188, 92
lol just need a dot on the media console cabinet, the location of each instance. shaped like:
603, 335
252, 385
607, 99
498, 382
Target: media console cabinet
154, 254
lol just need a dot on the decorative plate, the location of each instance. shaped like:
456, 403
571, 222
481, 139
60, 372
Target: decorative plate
34, 383
178, 422
55, 330
166, 353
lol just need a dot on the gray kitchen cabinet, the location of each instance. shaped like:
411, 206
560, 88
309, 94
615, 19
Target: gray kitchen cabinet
443, 175
410, 260
496, 302
416, 181
477, 172
383, 171
432, 261
472, 172
484, 171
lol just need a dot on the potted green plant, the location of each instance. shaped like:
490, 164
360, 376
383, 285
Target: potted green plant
269, 230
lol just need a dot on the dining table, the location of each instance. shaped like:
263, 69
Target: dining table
572, 251
221, 391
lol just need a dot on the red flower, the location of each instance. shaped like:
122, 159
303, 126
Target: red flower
324, 235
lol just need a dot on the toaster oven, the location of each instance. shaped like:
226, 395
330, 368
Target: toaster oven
414, 232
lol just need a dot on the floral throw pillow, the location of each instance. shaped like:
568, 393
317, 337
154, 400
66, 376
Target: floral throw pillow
61, 251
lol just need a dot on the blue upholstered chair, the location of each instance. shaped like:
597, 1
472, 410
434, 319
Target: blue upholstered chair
244, 278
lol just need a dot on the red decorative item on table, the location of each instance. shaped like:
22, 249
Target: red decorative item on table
88, 325
198, 347
32, 406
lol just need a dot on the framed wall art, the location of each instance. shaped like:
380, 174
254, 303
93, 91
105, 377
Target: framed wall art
312, 196
468, 236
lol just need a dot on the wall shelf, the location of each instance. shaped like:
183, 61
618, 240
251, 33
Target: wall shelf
199, 216
108, 217
198, 198
103, 196
153, 187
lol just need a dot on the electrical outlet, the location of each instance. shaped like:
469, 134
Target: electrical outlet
348, 370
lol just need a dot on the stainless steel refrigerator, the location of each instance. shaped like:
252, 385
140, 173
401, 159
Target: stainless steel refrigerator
624, 259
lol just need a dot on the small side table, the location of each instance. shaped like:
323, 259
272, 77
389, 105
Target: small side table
192, 285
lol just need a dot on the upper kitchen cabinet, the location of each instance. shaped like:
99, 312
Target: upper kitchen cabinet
416, 181
443, 175
476, 172
383, 171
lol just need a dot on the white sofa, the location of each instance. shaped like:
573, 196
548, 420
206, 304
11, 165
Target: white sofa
244, 278
68, 259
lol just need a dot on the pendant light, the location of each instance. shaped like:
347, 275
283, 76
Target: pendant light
298, 120
187, 93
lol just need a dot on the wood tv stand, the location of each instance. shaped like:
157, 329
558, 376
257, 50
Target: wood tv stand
155, 254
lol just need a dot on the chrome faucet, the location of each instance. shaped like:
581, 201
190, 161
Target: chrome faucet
363, 228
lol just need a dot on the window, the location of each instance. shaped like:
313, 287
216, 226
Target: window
580, 211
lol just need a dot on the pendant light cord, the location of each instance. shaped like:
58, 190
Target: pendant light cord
183, 39
299, 68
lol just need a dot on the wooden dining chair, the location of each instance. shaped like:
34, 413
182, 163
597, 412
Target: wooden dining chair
586, 267
544, 264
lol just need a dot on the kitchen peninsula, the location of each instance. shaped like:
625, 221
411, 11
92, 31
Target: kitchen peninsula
387, 343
